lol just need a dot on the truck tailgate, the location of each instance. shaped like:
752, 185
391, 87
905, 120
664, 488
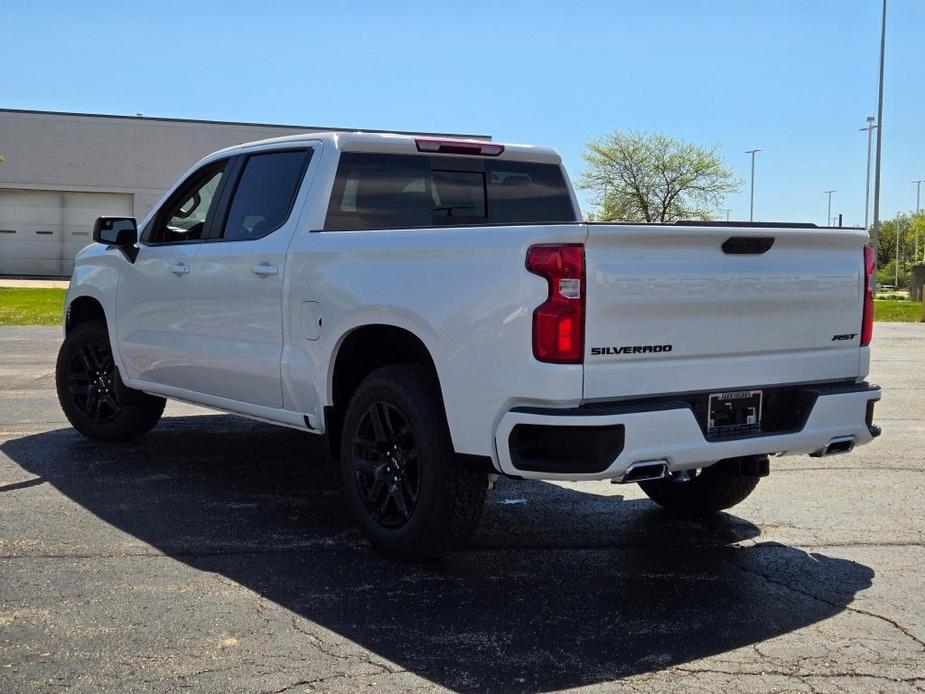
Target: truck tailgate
669, 311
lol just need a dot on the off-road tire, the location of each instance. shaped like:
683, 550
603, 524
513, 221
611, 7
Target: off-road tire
713, 490
450, 496
91, 392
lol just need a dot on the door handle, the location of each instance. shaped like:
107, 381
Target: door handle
265, 269
179, 269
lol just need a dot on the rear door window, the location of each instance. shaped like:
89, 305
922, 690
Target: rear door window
389, 191
264, 195
373, 189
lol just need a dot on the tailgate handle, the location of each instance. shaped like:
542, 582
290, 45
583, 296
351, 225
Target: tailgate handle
747, 245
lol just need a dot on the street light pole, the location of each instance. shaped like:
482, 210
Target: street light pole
751, 207
896, 264
875, 235
918, 208
728, 210
828, 216
870, 131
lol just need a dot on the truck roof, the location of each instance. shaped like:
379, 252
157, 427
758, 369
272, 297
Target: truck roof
397, 143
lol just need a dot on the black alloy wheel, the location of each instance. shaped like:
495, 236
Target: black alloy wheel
407, 489
386, 465
91, 383
92, 395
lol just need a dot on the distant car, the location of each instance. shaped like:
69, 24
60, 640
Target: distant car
436, 309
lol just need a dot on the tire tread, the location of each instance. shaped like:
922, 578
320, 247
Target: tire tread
712, 491
461, 488
139, 415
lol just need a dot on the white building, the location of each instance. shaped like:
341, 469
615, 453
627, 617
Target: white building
63, 170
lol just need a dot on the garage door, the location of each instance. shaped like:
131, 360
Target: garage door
42, 230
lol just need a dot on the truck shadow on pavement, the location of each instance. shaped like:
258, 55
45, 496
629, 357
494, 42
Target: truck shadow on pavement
559, 588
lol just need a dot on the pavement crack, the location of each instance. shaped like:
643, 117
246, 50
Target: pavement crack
799, 675
831, 603
862, 543
186, 555
193, 557
864, 468
287, 687
209, 671
314, 682
327, 649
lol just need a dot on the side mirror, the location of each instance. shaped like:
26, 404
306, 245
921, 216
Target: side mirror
121, 232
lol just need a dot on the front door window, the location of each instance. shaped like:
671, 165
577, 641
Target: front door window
184, 217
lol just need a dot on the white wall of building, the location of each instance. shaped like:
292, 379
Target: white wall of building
42, 230
62, 170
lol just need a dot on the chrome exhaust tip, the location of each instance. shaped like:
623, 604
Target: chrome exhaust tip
837, 446
643, 471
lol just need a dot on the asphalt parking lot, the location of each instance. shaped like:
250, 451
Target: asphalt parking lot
214, 555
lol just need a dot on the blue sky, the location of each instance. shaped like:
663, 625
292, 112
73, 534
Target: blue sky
796, 78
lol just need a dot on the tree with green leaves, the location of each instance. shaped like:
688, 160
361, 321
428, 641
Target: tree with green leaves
645, 177
906, 226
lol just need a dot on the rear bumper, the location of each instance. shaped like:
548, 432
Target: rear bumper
601, 441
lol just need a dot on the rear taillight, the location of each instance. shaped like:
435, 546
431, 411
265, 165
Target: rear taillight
559, 323
867, 323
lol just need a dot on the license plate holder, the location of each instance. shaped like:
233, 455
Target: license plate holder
734, 412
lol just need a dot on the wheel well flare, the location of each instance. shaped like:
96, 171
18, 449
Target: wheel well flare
363, 351
82, 310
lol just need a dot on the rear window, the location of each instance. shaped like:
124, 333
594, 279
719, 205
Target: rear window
389, 191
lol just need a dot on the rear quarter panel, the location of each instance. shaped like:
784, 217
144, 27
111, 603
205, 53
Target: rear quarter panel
465, 292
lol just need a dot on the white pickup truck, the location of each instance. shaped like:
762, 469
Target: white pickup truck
439, 312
